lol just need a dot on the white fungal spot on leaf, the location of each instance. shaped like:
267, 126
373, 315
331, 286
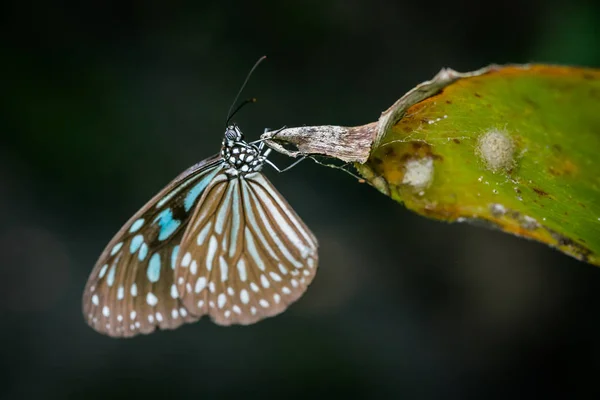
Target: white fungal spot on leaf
418, 173
496, 149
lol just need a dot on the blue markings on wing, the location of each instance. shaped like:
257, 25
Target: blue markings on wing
167, 224
110, 279
197, 190
153, 271
143, 252
136, 242
174, 256
136, 225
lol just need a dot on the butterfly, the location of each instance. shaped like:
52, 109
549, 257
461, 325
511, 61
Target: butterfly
218, 240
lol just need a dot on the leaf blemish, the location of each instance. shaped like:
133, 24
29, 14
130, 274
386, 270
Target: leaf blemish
497, 210
496, 148
418, 172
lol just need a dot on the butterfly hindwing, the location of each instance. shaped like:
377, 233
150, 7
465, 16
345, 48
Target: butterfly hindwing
246, 255
131, 288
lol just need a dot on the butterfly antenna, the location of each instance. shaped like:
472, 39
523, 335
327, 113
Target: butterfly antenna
232, 112
247, 101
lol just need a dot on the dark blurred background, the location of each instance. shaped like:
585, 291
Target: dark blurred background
104, 103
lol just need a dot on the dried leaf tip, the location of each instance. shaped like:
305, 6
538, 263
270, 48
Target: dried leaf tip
349, 144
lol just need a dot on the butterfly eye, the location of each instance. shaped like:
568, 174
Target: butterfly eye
232, 133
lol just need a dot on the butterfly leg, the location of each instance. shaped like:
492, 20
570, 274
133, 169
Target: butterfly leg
275, 132
261, 141
276, 168
341, 167
261, 146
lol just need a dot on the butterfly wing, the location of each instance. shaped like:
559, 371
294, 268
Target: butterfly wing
130, 289
246, 255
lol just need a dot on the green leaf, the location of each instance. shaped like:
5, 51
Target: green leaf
515, 148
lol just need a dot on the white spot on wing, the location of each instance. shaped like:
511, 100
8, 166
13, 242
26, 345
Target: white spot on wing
264, 281
212, 249
244, 297
200, 284
151, 299
110, 279
203, 233
251, 247
222, 213
241, 267
187, 258
224, 268
275, 276
235, 219
116, 248
283, 269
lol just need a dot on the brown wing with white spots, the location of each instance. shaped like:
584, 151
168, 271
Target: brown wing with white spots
131, 288
246, 255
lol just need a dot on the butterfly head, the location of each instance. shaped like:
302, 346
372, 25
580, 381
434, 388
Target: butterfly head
233, 134
238, 155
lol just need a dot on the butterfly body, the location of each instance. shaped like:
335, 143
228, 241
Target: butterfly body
239, 156
219, 240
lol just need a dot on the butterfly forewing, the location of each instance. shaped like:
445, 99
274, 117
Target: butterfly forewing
131, 288
246, 255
